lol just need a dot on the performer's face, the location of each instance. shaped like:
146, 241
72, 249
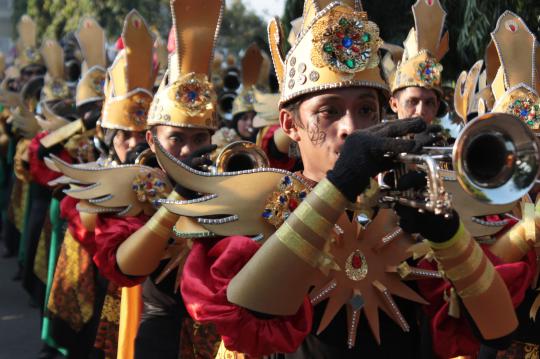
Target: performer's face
415, 102
245, 125
321, 123
180, 142
125, 141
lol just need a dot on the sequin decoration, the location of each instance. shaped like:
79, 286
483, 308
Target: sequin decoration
149, 187
356, 266
429, 72
284, 201
346, 42
194, 94
98, 83
526, 110
138, 111
56, 89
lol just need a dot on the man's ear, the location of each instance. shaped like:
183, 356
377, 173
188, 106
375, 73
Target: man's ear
150, 140
393, 102
288, 124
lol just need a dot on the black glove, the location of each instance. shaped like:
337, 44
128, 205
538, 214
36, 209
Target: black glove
363, 154
436, 228
45, 152
196, 161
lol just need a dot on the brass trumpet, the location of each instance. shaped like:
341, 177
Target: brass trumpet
495, 157
241, 156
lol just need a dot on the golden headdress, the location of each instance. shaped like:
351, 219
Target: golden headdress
186, 97
516, 84
162, 56
55, 86
337, 47
425, 46
91, 38
28, 54
130, 79
251, 71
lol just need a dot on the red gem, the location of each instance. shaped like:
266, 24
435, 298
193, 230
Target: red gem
340, 35
356, 261
430, 2
339, 47
293, 204
355, 36
148, 185
512, 28
355, 49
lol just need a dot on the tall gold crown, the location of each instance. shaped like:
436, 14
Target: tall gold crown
130, 79
251, 71
186, 97
516, 84
162, 56
55, 86
425, 46
27, 54
91, 39
336, 47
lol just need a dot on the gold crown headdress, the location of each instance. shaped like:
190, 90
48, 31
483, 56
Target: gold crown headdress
162, 56
55, 86
28, 54
337, 47
186, 97
91, 39
425, 46
516, 84
130, 79
251, 71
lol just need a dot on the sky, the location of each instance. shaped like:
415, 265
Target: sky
266, 8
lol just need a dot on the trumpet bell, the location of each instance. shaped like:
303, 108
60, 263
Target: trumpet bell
241, 156
496, 158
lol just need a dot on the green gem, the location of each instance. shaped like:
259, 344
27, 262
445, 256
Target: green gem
530, 123
1, 107
536, 108
328, 47
517, 103
366, 37
350, 63
343, 22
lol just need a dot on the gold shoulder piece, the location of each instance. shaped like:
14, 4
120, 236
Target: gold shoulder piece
62, 133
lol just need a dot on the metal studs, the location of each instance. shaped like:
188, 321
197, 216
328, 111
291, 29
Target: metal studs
314, 76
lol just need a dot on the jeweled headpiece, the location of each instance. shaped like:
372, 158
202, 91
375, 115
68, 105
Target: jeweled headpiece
91, 38
425, 46
251, 69
337, 47
130, 79
28, 53
186, 97
55, 86
516, 85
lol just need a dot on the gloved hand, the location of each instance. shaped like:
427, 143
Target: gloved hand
436, 228
363, 153
197, 160
46, 152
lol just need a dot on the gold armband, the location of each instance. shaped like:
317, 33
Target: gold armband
162, 223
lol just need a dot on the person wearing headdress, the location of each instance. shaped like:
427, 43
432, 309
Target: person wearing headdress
514, 84
27, 82
131, 250
257, 295
415, 81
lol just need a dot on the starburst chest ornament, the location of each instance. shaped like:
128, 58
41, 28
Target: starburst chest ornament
346, 41
369, 260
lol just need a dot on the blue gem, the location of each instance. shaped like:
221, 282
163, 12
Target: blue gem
286, 180
302, 195
192, 95
524, 112
346, 42
356, 302
135, 187
139, 112
152, 192
267, 213
282, 199
428, 71
286, 215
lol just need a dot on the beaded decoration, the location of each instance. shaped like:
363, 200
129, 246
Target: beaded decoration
284, 201
149, 187
193, 94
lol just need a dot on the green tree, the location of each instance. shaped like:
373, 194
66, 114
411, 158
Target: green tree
240, 27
